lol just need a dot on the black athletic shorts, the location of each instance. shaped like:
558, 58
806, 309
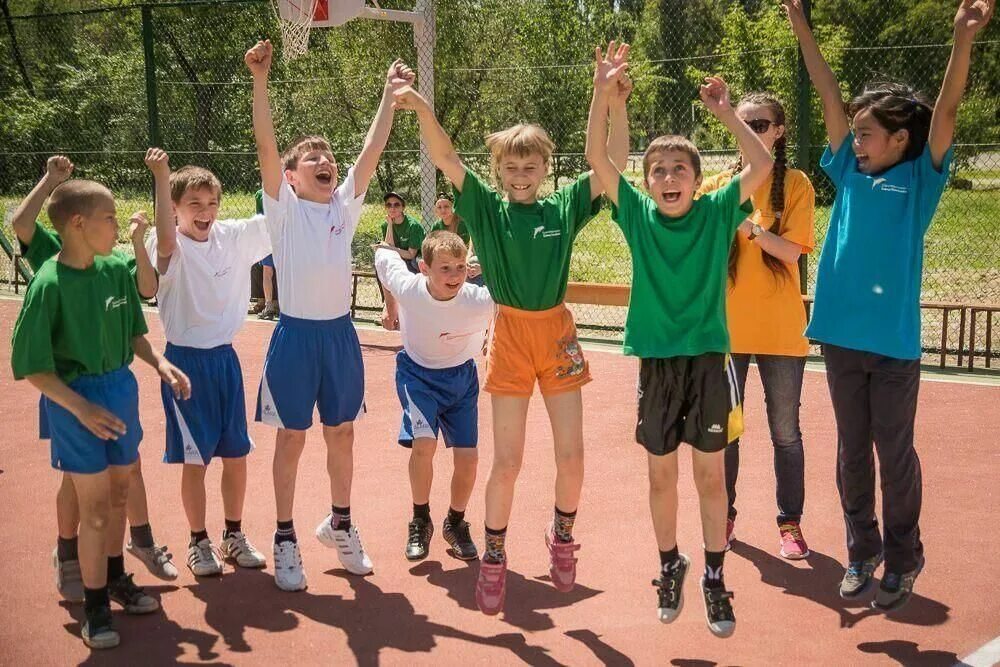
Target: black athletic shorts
688, 399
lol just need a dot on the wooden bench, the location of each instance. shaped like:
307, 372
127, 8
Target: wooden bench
988, 310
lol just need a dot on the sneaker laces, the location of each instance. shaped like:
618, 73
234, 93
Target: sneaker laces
287, 551
161, 554
241, 543
417, 530
460, 530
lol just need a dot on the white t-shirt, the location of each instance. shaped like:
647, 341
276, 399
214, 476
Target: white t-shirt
436, 334
204, 292
312, 250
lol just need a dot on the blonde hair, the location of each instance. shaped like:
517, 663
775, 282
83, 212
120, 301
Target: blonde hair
302, 145
442, 241
522, 140
671, 142
190, 177
76, 197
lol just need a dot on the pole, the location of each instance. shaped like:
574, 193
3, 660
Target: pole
803, 131
424, 37
150, 63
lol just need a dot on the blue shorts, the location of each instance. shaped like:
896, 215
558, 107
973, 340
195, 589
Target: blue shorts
268, 261
76, 449
445, 399
310, 363
213, 422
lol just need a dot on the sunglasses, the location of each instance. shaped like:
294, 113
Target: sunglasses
393, 204
760, 125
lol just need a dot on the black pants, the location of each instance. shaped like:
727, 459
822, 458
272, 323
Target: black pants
875, 400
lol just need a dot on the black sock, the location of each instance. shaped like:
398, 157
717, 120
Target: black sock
422, 511
95, 598
233, 527
455, 517
116, 567
495, 539
713, 569
669, 559
142, 536
285, 532
341, 519
198, 536
66, 549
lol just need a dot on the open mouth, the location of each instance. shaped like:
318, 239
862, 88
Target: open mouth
325, 177
520, 188
202, 225
453, 286
862, 159
671, 197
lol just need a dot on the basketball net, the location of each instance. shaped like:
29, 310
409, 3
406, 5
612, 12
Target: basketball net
295, 18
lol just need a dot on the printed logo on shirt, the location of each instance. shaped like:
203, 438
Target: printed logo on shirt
222, 272
111, 302
546, 233
447, 335
884, 186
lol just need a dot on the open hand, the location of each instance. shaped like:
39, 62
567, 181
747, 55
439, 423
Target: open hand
100, 422
175, 379
610, 67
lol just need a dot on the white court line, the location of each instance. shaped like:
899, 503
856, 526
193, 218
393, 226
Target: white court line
986, 656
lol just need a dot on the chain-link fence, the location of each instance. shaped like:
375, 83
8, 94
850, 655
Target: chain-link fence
101, 84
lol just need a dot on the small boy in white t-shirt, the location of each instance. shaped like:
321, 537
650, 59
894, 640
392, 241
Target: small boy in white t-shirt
443, 321
204, 266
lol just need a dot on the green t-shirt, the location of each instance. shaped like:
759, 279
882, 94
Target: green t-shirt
462, 231
524, 249
408, 234
679, 272
77, 322
258, 198
46, 244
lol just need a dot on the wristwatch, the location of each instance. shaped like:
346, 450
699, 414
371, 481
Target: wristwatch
755, 231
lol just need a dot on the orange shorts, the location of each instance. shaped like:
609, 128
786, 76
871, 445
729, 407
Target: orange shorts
534, 344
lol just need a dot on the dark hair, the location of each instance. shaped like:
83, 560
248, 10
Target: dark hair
777, 267
895, 107
671, 142
393, 195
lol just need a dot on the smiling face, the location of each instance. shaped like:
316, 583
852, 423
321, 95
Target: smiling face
445, 274
394, 210
522, 176
672, 181
314, 175
875, 147
196, 212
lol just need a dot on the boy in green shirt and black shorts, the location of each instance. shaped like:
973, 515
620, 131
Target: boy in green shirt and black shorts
677, 326
74, 339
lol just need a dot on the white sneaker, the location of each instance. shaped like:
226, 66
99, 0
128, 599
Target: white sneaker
156, 559
202, 559
288, 572
348, 545
237, 547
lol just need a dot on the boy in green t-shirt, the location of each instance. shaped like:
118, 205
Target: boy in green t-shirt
38, 244
677, 326
79, 327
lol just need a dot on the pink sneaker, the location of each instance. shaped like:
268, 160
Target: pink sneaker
491, 587
562, 562
730, 529
793, 545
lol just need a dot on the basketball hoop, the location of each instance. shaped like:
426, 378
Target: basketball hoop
296, 18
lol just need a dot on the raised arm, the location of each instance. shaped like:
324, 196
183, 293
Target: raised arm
715, 96
617, 101
972, 16
258, 60
378, 134
606, 81
166, 230
439, 145
823, 79
145, 274
58, 169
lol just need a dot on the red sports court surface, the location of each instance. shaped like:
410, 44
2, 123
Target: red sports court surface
788, 613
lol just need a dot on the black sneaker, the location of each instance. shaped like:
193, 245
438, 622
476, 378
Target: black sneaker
858, 577
97, 631
719, 610
131, 597
458, 538
419, 541
670, 590
895, 589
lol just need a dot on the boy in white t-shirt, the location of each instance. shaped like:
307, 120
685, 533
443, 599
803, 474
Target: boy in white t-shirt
314, 358
204, 266
443, 321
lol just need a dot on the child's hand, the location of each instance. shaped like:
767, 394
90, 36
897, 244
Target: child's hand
793, 9
137, 225
177, 381
158, 162
389, 322
100, 422
382, 245
973, 15
59, 168
258, 58
715, 96
621, 94
609, 67
400, 75
407, 98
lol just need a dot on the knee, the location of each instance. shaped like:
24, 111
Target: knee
787, 435
94, 514
506, 468
662, 481
342, 434
710, 480
423, 451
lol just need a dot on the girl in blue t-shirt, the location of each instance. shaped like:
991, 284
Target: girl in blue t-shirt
888, 157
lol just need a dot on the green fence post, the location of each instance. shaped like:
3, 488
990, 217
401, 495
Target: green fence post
150, 62
803, 131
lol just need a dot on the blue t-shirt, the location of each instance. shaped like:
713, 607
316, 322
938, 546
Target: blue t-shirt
868, 283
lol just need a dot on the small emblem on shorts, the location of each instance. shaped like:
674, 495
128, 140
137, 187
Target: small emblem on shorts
569, 349
420, 423
715, 428
268, 408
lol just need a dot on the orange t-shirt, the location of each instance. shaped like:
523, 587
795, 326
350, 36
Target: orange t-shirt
764, 311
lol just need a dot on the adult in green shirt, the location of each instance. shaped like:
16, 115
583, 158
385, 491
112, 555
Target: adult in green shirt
406, 235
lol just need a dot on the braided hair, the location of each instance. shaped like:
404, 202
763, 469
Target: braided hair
776, 266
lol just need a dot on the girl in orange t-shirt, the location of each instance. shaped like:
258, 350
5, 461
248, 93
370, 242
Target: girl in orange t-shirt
765, 313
